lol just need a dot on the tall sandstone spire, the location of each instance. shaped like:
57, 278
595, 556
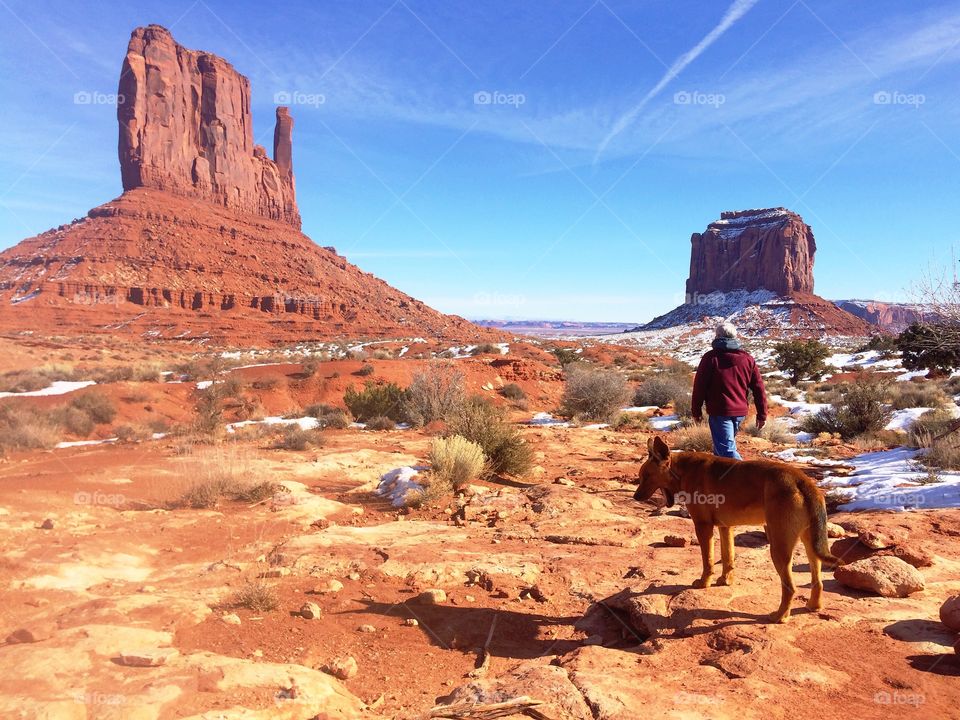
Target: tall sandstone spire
186, 128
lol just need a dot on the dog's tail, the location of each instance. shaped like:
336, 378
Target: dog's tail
817, 510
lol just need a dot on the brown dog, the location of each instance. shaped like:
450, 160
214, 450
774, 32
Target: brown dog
722, 492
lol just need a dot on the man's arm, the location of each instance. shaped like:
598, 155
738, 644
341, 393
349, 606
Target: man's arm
701, 382
759, 395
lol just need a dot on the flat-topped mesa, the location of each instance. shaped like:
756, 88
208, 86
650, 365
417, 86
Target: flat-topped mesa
186, 128
767, 249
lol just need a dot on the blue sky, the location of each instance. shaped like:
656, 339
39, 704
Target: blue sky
614, 130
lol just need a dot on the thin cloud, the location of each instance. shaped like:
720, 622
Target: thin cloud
737, 10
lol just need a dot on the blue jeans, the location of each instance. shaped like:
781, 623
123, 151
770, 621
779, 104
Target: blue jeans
724, 432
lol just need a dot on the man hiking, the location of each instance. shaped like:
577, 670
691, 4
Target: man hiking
724, 376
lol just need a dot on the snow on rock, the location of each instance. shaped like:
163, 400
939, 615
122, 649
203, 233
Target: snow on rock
891, 480
58, 387
799, 407
305, 423
790, 455
398, 483
664, 422
904, 419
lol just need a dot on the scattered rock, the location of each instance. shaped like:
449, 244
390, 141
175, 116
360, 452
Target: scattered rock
147, 658
353, 576
950, 612
917, 556
738, 651
565, 481
675, 541
411, 622
366, 629
47, 524
310, 611
343, 667
884, 575
434, 596
328, 588
230, 618
32, 634
880, 539
835, 531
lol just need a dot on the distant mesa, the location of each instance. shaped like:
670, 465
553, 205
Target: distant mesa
755, 268
204, 243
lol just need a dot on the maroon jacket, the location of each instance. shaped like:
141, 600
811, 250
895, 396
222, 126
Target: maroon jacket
722, 381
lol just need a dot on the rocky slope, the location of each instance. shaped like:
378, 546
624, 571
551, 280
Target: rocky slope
205, 241
893, 317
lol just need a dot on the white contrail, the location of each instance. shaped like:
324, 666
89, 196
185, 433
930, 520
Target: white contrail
737, 10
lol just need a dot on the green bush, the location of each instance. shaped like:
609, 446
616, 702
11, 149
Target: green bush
801, 359
365, 371
387, 400
481, 422
593, 394
934, 347
861, 409
566, 356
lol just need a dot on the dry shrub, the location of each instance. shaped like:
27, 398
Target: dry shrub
254, 595
593, 394
879, 440
294, 437
660, 391
328, 416
435, 394
455, 461
694, 438
774, 431
97, 405
917, 395
481, 422
387, 400
380, 423
858, 408
223, 472
943, 453
27, 429
512, 391
18, 381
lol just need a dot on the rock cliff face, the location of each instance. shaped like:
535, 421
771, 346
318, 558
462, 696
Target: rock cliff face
769, 249
205, 242
186, 128
893, 317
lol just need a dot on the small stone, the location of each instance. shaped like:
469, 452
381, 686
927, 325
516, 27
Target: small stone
328, 588
354, 576
343, 667
310, 611
878, 540
147, 658
950, 613
675, 541
565, 481
411, 622
835, 531
469, 598
47, 524
366, 629
230, 618
434, 596
257, 653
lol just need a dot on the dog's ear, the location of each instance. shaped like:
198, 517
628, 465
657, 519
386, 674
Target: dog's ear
659, 450
650, 445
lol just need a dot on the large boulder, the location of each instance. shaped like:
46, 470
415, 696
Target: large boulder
885, 575
950, 613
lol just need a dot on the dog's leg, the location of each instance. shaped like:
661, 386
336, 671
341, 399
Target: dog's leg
705, 538
816, 584
782, 544
727, 554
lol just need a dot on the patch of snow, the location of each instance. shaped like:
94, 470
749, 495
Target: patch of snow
907, 376
889, 480
546, 419
799, 407
398, 483
25, 298
204, 384
83, 443
640, 409
664, 422
903, 419
790, 455
58, 387
305, 423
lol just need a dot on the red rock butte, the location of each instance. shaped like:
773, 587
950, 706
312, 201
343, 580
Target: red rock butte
205, 240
